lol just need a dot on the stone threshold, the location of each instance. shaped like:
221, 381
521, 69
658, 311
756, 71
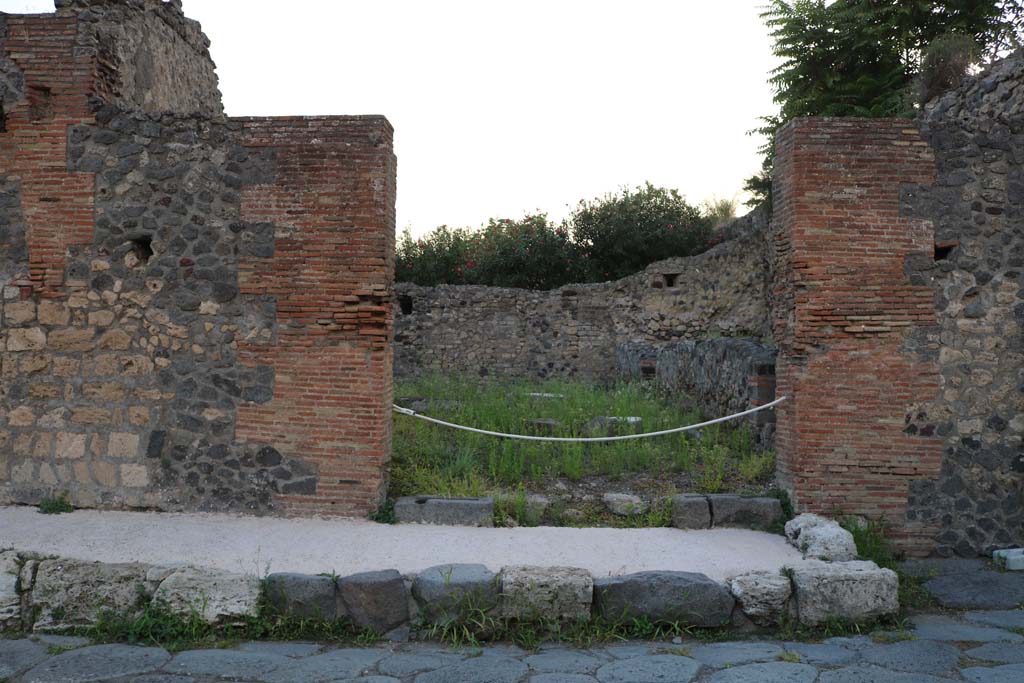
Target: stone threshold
41, 593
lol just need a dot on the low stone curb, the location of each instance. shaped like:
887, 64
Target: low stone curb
689, 510
48, 593
697, 511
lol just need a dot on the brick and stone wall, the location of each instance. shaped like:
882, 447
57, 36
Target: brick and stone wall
975, 275
574, 331
898, 308
195, 309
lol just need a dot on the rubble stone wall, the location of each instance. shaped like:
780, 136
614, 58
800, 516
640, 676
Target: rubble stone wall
718, 376
574, 330
976, 277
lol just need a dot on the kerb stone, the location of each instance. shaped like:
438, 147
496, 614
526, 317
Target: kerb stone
73, 593
853, 591
690, 511
557, 593
746, 512
442, 591
303, 595
446, 511
218, 596
375, 600
685, 597
763, 596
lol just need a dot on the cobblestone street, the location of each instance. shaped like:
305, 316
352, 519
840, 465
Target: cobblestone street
978, 646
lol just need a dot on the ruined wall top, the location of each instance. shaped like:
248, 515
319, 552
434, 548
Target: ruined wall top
149, 55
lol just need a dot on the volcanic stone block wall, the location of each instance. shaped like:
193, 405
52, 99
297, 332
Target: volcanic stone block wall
719, 376
574, 331
976, 276
845, 316
194, 308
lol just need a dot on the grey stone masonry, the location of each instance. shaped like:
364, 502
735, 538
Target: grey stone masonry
691, 511
447, 511
683, 597
976, 272
745, 511
302, 595
696, 511
574, 331
718, 376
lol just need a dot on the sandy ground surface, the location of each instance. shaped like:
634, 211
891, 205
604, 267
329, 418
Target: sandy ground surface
261, 544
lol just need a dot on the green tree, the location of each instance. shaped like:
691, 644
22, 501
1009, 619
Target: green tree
621, 234
530, 253
436, 258
863, 57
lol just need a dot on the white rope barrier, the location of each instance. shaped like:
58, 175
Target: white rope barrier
567, 439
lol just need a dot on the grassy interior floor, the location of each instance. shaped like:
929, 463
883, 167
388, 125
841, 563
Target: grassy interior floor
261, 545
437, 460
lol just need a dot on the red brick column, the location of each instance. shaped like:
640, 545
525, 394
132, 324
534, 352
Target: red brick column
57, 203
842, 310
332, 203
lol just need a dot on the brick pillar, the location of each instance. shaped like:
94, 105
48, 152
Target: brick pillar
332, 204
843, 310
57, 202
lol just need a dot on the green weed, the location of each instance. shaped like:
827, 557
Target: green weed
886, 637
430, 459
55, 506
873, 543
156, 624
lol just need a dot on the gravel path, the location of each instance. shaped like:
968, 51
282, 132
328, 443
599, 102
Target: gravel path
935, 652
263, 544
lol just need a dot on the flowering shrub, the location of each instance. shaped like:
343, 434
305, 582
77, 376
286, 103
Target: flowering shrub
529, 253
604, 239
622, 234
434, 259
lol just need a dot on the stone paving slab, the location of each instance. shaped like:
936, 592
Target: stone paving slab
941, 627
996, 674
916, 656
941, 648
97, 663
1001, 619
19, 655
1004, 653
772, 672
984, 590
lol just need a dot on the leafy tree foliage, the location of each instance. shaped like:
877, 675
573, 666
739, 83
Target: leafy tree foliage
863, 57
529, 253
621, 234
604, 239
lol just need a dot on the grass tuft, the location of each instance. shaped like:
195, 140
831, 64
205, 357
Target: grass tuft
873, 543
55, 505
154, 624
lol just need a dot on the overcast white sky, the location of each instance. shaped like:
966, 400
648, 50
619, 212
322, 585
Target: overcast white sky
501, 108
